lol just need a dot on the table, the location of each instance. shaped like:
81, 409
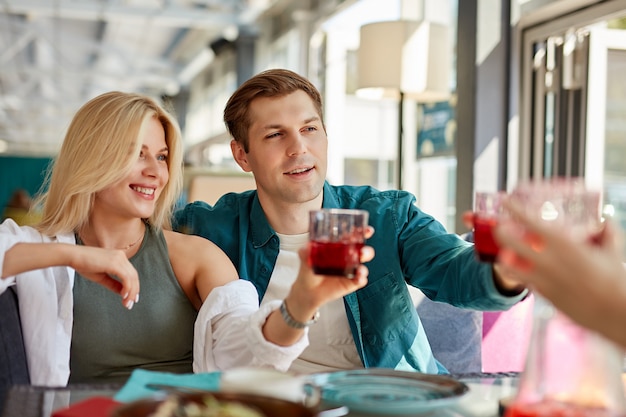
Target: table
482, 400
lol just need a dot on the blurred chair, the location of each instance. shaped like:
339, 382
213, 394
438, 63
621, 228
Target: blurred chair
505, 337
13, 363
505, 334
210, 188
467, 341
455, 335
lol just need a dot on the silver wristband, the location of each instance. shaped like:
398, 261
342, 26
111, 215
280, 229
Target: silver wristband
291, 322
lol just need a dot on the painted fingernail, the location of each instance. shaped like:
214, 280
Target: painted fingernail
137, 298
130, 304
125, 295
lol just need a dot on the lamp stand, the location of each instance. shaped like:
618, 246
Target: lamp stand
400, 162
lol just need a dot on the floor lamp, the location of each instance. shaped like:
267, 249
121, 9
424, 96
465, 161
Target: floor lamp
404, 59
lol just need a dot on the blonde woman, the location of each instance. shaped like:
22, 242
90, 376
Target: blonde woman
105, 237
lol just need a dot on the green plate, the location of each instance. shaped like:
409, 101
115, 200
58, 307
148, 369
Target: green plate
388, 392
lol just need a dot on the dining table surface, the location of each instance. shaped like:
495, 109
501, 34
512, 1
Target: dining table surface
482, 399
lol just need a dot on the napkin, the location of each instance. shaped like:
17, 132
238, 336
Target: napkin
92, 407
135, 388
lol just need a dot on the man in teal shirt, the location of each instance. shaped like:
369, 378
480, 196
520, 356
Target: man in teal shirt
275, 119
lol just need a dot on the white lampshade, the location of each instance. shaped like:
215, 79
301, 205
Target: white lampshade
409, 56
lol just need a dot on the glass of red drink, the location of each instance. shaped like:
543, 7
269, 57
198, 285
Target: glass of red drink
564, 203
487, 210
570, 370
337, 236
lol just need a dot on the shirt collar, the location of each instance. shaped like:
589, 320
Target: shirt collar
262, 232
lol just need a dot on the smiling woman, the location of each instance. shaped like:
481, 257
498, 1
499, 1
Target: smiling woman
105, 234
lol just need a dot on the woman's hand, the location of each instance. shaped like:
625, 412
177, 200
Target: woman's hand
109, 268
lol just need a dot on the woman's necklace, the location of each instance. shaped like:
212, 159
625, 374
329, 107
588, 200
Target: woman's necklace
125, 248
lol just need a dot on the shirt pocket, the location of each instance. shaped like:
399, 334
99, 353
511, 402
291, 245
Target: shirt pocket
387, 311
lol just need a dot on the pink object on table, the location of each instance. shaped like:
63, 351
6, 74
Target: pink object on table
505, 337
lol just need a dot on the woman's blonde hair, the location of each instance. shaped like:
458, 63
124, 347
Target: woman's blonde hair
99, 150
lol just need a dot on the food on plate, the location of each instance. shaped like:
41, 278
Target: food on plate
209, 407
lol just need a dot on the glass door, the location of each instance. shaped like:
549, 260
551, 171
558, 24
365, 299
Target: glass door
558, 105
573, 102
606, 118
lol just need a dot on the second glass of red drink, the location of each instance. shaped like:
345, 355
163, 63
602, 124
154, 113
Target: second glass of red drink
487, 210
337, 236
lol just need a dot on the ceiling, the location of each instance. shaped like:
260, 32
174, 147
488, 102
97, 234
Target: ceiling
57, 54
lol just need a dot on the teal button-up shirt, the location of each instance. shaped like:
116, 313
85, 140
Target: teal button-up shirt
411, 248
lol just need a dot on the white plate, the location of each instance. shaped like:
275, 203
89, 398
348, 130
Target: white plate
388, 392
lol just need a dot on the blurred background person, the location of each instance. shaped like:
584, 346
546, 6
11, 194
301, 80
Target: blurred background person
20, 208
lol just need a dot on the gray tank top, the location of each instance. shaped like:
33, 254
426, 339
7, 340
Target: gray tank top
109, 341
